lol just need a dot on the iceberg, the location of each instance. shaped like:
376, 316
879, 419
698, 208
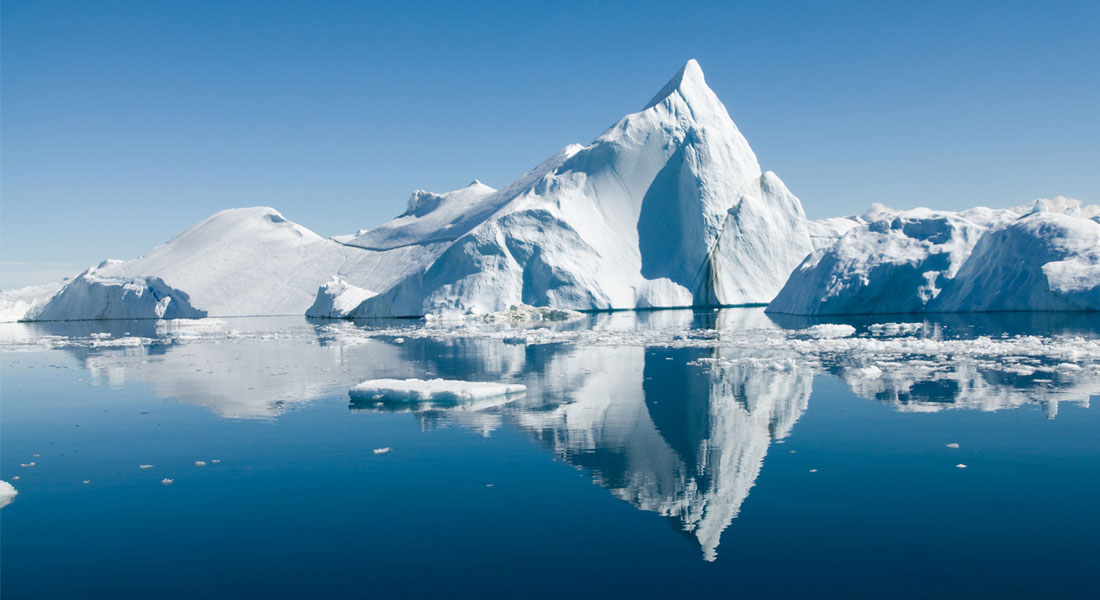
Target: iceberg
95, 294
1045, 261
238, 262
336, 298
16, 305
981, 259
667, 208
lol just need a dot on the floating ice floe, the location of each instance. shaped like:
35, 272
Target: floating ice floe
385, 450
517, 313
829, 330
434, 390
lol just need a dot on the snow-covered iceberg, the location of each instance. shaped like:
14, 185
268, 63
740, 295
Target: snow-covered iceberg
1043, 259
239, 262
336, 298
668, 207
97, 294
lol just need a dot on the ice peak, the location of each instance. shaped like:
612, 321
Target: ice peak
688, 79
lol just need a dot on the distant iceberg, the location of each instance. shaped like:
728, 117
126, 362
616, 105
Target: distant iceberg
1043, 259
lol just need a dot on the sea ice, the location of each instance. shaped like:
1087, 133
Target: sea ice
437, 390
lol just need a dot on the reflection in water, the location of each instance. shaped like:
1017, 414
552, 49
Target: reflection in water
670, 437
258, 373
672, 411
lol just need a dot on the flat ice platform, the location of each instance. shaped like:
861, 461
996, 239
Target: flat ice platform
433, 390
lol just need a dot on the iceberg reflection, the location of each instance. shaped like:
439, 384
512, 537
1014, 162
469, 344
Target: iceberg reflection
671, 411
670, 437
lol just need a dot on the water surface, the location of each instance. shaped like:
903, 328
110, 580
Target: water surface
653, 454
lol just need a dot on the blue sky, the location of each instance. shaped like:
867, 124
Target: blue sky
126, 122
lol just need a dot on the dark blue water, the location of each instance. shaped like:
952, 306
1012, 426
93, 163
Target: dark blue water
625, 470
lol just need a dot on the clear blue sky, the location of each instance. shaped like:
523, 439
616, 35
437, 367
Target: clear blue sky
125, 122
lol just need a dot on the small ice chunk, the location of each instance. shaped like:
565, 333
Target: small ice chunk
86, 481
813, 470
829, 330
952, 445
440, 390
960, 466
7, 493
200, 463
891, 329
216, 460
869, 372
145, 466
167, 481
28, 465
385, 450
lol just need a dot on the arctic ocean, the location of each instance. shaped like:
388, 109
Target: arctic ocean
643, 453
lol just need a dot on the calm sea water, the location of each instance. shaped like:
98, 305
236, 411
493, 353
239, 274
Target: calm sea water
653, 455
